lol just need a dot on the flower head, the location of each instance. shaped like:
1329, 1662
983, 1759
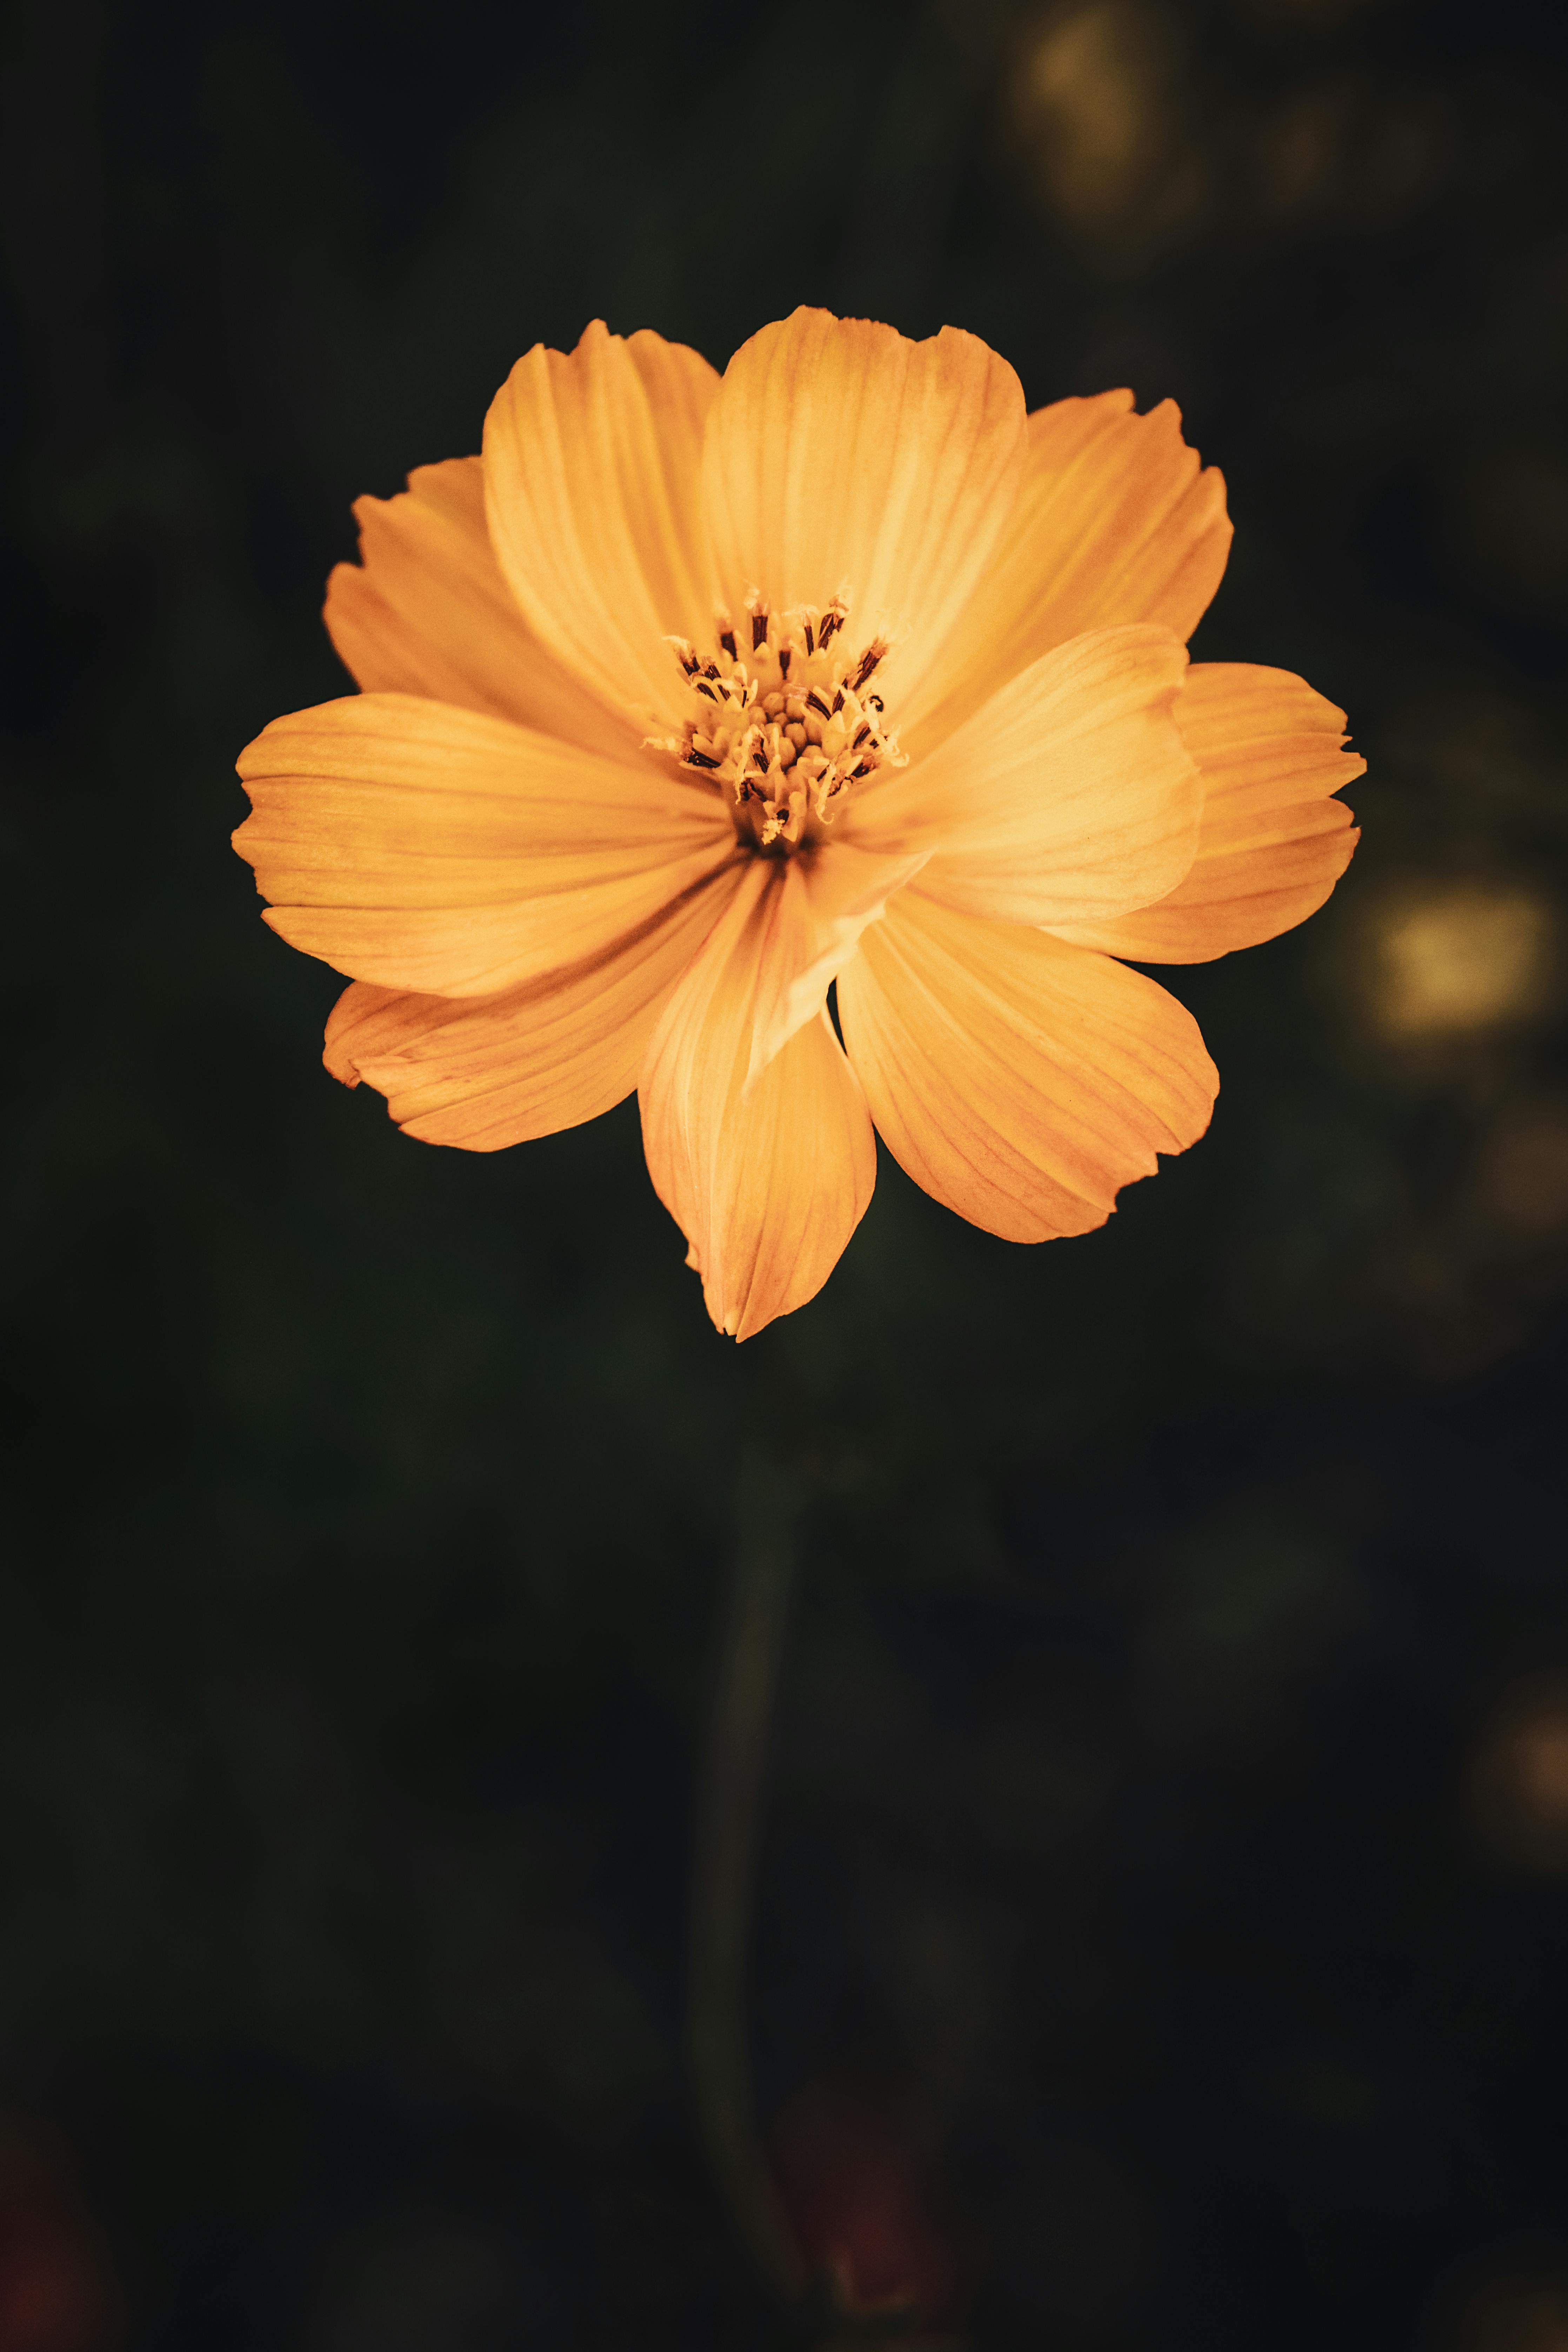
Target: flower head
696, 696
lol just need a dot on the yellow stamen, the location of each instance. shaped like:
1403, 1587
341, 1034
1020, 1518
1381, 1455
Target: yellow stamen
784, 717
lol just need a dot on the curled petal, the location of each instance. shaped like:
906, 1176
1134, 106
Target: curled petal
767, 1179
426, 611
1019, 1080
1070, 795
592, 487
808, 925
485, 1071
839, 456
425, 847
1114, 522
1274, 840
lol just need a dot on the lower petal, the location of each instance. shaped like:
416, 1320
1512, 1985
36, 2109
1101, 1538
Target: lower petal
769, 1173
1273, 840
485, 1072
815, 910
1019, 1080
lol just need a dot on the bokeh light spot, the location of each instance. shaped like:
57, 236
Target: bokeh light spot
1460, 960
1520, 1780
1513, 2316
1096, 114
1522, 1176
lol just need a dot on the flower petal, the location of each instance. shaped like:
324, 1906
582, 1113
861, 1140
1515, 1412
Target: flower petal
485, 1072
1020, 1081
426, 611
840, 457
591, 486
1273, 842
1113, 522
422, 847
1070, 795
813, 917
767, 1180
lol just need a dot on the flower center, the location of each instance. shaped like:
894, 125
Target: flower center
783, 718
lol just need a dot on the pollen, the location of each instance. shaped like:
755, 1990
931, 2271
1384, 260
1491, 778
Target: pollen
784, 718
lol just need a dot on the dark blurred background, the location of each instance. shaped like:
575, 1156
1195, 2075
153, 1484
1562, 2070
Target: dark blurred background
1161, 1928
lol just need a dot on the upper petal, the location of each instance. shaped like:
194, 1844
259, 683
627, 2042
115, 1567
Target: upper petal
840, 456
422, 847
426, 611
1273, 842
1020, 1081
767, 1179
1114, 521
1070, 794
485, 1071
592, 467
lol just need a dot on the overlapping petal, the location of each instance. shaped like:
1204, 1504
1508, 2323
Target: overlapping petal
1274, 840
426, 611
1070, 796
485, 1071
427, 847
814, 911
592, 486
1020, 1081
841, 456
1114, 521
766, 1172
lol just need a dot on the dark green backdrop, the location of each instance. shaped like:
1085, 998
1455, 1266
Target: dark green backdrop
1144, 1843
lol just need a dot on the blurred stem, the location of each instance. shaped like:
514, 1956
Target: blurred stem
745, 1679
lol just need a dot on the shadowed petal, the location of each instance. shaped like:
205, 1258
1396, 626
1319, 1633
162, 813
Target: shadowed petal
427, 847
591, 486
766, 1180
1020, 1081
485, 1071
426, 611
1273, 841
1114, 522
839, 456
807, 926
1070, 794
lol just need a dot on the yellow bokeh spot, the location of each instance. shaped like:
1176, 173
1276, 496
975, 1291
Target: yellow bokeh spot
1095, 112
1463, 958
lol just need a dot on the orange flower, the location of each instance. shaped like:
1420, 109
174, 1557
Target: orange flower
697, 694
